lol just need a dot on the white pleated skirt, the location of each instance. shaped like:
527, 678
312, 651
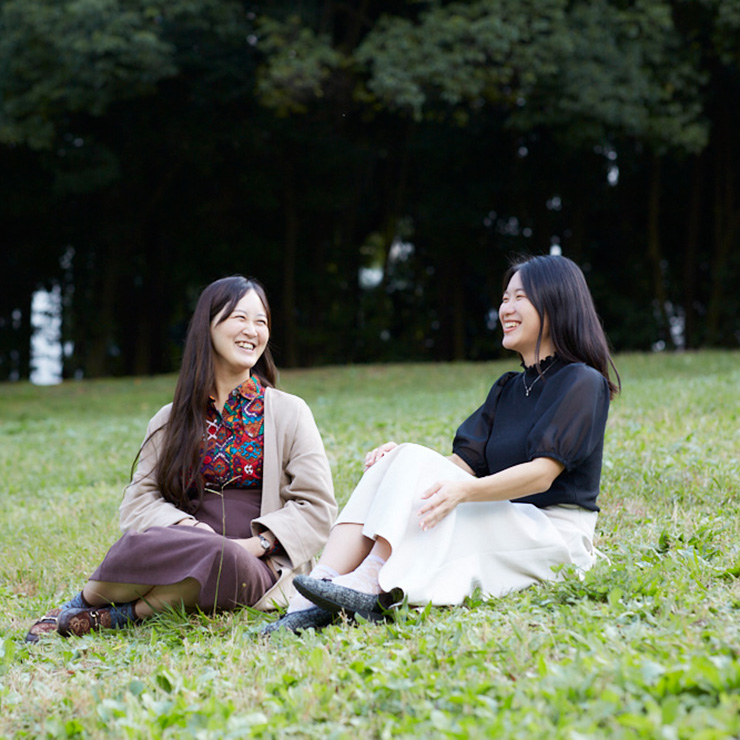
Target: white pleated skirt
498, 546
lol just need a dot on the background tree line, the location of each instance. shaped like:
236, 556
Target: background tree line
375, 164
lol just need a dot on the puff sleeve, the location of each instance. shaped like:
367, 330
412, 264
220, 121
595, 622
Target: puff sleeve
571, 417
472, 435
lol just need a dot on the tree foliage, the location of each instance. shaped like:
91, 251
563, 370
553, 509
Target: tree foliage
75, 56
485, 52
375, 164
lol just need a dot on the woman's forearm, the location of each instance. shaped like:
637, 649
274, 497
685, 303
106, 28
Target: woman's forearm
520, 480
527, 478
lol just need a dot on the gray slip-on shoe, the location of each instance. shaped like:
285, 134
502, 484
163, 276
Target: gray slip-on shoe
301, 620
334, 598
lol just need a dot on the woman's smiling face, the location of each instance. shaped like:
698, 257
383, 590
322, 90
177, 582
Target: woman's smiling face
521, 323
240, 338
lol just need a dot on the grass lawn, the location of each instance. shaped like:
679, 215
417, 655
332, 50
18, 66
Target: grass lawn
647, 646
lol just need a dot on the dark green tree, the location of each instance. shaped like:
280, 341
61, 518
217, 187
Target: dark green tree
155, 146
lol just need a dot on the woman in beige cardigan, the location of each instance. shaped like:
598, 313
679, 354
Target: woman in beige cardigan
232, 494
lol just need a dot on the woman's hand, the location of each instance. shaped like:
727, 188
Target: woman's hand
441, 498
195, 523
253, 546
374, 455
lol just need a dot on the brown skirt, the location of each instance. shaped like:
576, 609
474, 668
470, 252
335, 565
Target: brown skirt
229, 576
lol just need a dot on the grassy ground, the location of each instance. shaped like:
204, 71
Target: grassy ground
645, 647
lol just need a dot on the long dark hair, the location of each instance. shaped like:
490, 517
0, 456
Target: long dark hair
178, 468
557, 289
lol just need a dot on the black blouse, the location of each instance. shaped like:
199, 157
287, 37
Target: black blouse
562, 417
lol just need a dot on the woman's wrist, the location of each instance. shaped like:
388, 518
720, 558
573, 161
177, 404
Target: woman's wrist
252, 546
474, 490
269, 544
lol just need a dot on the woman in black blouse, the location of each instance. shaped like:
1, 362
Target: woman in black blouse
516, 498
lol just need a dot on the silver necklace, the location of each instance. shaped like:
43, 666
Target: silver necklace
528, 390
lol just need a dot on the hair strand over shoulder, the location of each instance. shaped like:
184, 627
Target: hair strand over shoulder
178, 468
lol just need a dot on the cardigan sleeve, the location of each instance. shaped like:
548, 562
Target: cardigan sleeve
307, 508
143, 506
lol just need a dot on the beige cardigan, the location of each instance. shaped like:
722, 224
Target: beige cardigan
298, 504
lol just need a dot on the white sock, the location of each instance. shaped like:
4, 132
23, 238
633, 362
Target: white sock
299, 602
364, 577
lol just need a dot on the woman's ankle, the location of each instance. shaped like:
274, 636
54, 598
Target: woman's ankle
78, 601
364, 578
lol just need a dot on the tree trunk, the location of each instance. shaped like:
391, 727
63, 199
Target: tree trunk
99, 329
690, 271
726, 232
575, 244
357, 11
654, 248
290, 350
23, 336
458, 308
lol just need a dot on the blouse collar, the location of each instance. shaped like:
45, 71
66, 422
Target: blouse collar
545, 364
249, 390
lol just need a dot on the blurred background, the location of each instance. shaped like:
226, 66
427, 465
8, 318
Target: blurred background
374, 164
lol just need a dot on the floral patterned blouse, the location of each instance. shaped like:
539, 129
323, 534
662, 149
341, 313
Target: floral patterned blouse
234, 439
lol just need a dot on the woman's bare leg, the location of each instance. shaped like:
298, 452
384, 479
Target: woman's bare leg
346, 548
357, 558
149, 599
160, 597
381, 549
101, 593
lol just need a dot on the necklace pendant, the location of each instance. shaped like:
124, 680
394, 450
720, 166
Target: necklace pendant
528, 388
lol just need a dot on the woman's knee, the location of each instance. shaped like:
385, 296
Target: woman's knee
98, 593
184, 593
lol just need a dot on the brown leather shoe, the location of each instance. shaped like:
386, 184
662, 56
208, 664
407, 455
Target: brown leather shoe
81, 621
43, 626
